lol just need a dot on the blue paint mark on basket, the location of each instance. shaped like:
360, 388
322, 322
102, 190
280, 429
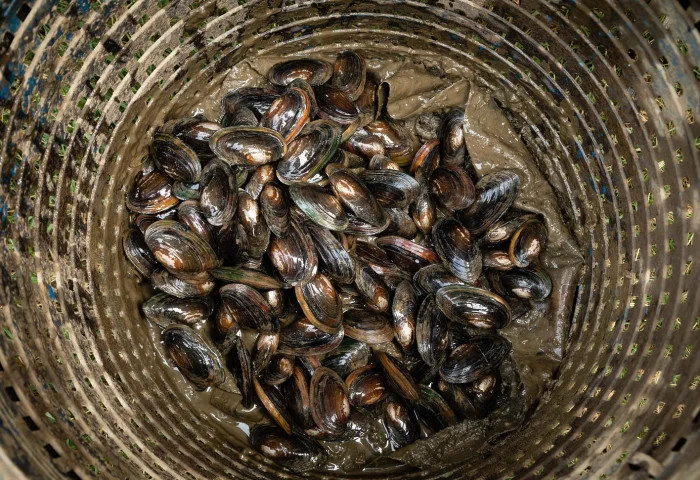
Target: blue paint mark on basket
14, 24
83, 6
52, 294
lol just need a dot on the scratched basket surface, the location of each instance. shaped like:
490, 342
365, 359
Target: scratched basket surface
80, 397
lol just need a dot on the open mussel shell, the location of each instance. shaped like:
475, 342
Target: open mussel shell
399, 142
400, 423
398, 379
190, 213
249, 146
274, 404
391, 188
452, 187
262, 175
137, 252
289, 113
256, 235
366, 326
334, 259
292, 451
219, 192
382, 162
431, 332
407, 255
478, 356
240, 365
372, 287
320, 207
330, 406
309, 152
257, 99
294, 256
321, 303
181, 288
356, 196
366, 386
432, 410
350, 355
335, 105
504, 228
246, 276
178, 248
175, 158
250, 308
164, 309
496, 259
461, 402
495, 193
151, 193
278, 371
312, 71
196, 360
458, 251
427, 157
263, 350
423, 210
453, 149
275, 209
473, 306
349, 73
196, 132
403, 311
531, 283
302, 338
527, 243
432, 278
296, 391
400, 223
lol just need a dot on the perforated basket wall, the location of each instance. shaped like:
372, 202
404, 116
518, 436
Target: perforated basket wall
81, 394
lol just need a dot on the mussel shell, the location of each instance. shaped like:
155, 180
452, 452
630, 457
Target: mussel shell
459, 253
495, 193
349, 73
137, 252
279, 369
296, 391
274, 403
486, 388
175, 158
403, 310
366, 386
334, 260
399, 142
453, 149
427, 157
375, 257
359, 227
190, 213
527, 243
196, 132
246, 276
263, 350
349, 356
256, 238
262, 175
367, 100
330, 406
294, 256
423, 210
504, 228
164, 308
230, 243
250, 307
335, 105
400, 423
473, 359
366, 326
312, 71
452, 187
365, 144
407, 255
275, 209
219, 192
372, 287
391, 188
257, 99
241, 367
432, 278
431, 332
496, 259
250, 146
321, 303
309, 152
309, 364
178, 248
382, 162
532, 283
461, 402
433, 411
292, 451
320, 207
473, 306
151, 193
302, 338
242, 116
288, 113
397, 378
356, 196
144, 220
196, 360
186, 191
400, 223
180, 288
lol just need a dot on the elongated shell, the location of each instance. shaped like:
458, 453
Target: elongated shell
423, 210
219, 192
257, 99
495, 193
473, 306
275, 209
400, 223
293, 451
321, 303
251, 146
367, 327
407, 255
403, 312
288, 113
180, 288
452, 187
275, 405
164, 308
179, 249
330, 407
302, 338
398, 379
294, 256
472, 360
504, 228
194, 358
366, 386
355, 195
431, 332
314, 72
432, 278
151, 193
175, 158
190, 213
453, 150
433, 411
263, 350
137, 252
372, 287
320, 207
527, 243
427, 158
400, 143
334, 259
309, 152
335, 105
391, 188
461, 402
459, 253
240, 365
531, 283
262, 175
250, 307
246, 276
497, 259
349, 73
196, 132
296, 391
349, 356
400, 423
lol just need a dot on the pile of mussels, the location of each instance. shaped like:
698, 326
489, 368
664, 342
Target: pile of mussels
309, 216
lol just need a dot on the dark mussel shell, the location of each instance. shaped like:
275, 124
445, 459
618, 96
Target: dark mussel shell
249, 307
453, 149
335, 105
278, 370
349, 355
461, 401
367, 100
175, 158
531, 283
137, 252
496, 259
452, 187
423, 210
196, 133
427, 158
320, 207
178, 248
433, 411
309, 152
382, 162
165, 309
289, 113
375, 257
256, 234
475, 358
359, 227
403, 310
397, 378
262, 175
292, 451
432, 278
186, 191
194, 358
527, 243
473, 306
294, 256
263, 350
431, 332
349, 73
400, 423
458, 251
407, 255
400, 143
303, 85
391, 188
335, 261
312, 71
242, 116
249, 146
151, 193
230, 245
367, 326
495, 193
364, 144
457, 334
296, 391
190, 213
302, 338
372, 287
486, 388
330, 406
275, 209
257, 99
309, 364
277, 299
275, 404
180, 288
241, 367
144, 220
400, 223
321, 303
356, 196
219, 192
246, 276
504, 228
366, 386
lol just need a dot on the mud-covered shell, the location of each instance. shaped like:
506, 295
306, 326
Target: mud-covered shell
302, 338
461, 401
334, 259
330, 406
495, 193
312, 71
137, 252
431, 332
175, 158
458, 251
366, 326
151, 193
309, 152
292, 451
473, 306
249, 146
219, 192
349, 73
294, 256
391, 188
320, 207
179, 249
250, 307
473, 359
163, 308
366, 386
194, 358
180, 288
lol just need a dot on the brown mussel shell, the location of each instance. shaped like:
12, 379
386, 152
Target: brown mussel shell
400, 223
400, 143
190, 214
195, 132
461, 401
292, 451
275, 208
431, 332
530, 283
335, 105
263, 350
400, 423
274, 403
403, 310
496, 259
144, 220
427, 158
495, 193
452, 187
334, 259
181, 288
289, 113
257, 99
407, 255
309, 152
137, 252
175, 158
279, 369
432, 278
349, 355
423, 210
314, 72
249, 307
527, 243
294, 256
241, 368
478, 356
366, 386
219, 192
242, 116
320, 207
302, 338
296, 391
504, 228
249, 146
372, 287
178, 248
453, 149
330, 406
486, 388
473, 306
367, 327
391, 188
151, 193
321, 303
458, 251
194, 358
382, 162
349, 73
359, 227
252, 225
356, 196
397, 378
165, 309
433, 411
253, 278
262, 175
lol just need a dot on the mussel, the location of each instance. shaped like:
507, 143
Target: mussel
137, 252
486, 388
240, 365
291, 450
196, 286
302, 338
289, 113
178, 248
407, 255
348, 356
400, 143
496, 259
397, 378
367, 326
274, 403
334, 259
196, 360
391, 188
432, 410
256, 235
175, 158
403, 310
330, 406
246, 276
296, 391
453, 150
263, 350
190, 213
349, 73
356, 196
320, 303
452, 187
365, 386
335, 105
495, 193
279, 369
312, 71
431, 332
504, 228
400, 423
262, 175
163, 308
400, 223
473, 306
382, 162
249, 307
275, 209
478, 356
372, 287
375, 257
250, 146
530, 283
219, 192
462, 402
423, 210
527, 243
195, 132
427, 158
432, 278
459, 253
257, 99
151, 193
309, 152
320, 207
294, 256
